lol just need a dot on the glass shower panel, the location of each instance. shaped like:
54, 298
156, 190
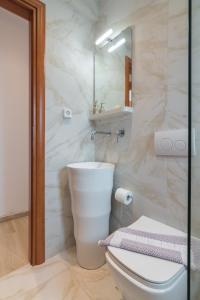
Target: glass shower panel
195, 163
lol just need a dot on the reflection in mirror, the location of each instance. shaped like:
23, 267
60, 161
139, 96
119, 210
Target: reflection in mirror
113, 73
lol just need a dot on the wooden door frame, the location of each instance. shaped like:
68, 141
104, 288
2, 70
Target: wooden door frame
128, 83
34, 12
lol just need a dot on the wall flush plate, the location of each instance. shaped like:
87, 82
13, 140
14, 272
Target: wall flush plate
173, 142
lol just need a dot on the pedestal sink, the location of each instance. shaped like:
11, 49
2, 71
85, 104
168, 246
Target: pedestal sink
90, 187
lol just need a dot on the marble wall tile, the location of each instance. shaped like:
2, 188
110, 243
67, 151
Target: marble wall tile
160, 87
69, 83
160, 90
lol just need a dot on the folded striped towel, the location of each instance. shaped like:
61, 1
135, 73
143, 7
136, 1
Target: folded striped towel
168, 247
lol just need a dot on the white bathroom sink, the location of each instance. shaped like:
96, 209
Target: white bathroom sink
90, 187
91, 165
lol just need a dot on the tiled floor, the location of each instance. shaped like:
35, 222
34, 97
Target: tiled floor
60, 278
13, 245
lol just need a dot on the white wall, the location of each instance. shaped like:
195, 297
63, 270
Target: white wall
14, 114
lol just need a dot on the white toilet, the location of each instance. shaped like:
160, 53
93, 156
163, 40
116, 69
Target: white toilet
141, 277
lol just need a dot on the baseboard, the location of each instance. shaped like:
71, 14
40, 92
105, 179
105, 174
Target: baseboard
15, 216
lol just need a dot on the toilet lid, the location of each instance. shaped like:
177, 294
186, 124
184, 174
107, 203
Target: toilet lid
149, 268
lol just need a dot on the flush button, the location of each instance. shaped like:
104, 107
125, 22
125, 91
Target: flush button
166, 144
180, 145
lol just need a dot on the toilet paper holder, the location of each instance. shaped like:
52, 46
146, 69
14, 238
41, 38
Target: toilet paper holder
123, 195
129, 196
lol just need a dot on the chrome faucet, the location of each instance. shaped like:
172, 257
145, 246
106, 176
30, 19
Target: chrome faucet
119, 133
94, 132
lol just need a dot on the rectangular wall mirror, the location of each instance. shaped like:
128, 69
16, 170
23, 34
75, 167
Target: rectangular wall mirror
113, 73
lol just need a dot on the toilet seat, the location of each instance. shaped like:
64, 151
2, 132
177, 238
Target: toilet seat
150, 271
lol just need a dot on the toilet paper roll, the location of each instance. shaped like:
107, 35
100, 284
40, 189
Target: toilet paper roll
124, 196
